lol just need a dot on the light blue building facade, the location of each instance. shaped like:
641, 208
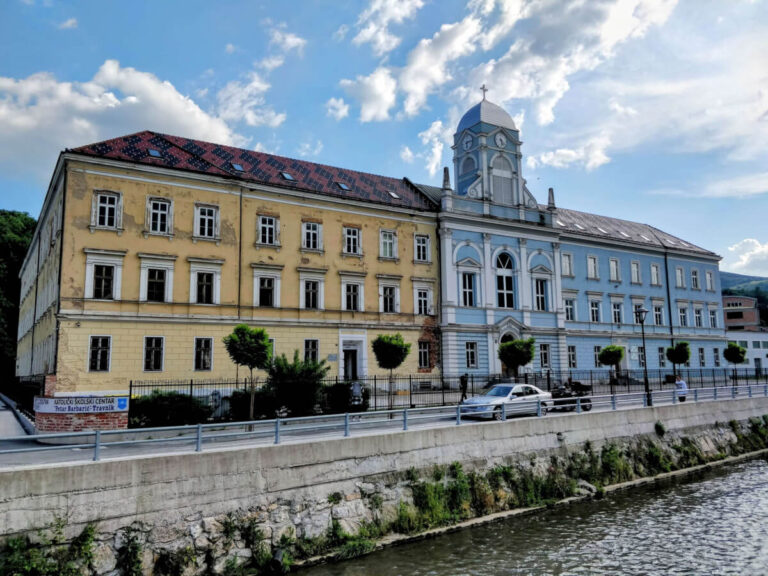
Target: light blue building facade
513, 268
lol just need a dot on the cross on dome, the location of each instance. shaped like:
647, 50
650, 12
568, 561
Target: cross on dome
484, 89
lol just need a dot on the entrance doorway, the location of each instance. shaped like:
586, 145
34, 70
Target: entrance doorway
350, 364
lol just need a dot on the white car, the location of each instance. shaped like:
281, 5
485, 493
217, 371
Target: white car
516, 399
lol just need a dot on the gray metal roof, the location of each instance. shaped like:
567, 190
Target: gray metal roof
585, 224
432, 192
487, 112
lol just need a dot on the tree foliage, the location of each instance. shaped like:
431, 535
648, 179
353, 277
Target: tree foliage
611, 355
390, 350
735, 354
680, 353
296, 384
16, 231
248, 347
516, 353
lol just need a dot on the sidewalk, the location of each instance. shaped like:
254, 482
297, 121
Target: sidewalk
9, 426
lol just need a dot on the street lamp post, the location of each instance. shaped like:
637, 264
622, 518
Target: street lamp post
640, 314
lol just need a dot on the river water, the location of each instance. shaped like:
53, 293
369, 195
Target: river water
717, 524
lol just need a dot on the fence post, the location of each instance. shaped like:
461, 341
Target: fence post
458, 415
277, 430
733, 392
714, 396
538, 407
578, 405
130, 389
472, 377
410, 390
97, 447
613, 401
749, 389
442, 385
549, 380
346, 424
503, 411
405, 418
375, 394
199, 442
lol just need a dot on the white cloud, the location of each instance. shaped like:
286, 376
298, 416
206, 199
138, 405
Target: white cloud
376, 94
309, 148
426, 68
261, 147
433, 139
70, 24
336, 108
39, 116
245, 102
374, 22
622, 110
230, 48
592, 155
748, 256
406, 155
747, 186
341, 33
287, 41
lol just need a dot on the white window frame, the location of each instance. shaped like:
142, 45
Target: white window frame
636, 272
318, 277
194, 354
472, 291
112, 258
596, 350
655, 275
679, 277
423, 348
593, 308
662, 357
716, 354
544, 356
695, 285
158, 262
265, 222
423, 286
682, 316
710, 280
199, 207
347, 234
544, 296
617, 309
566, 264
470, 354
702, 358
318, 231
614, 270
197, 265
275, 274
392, 234
713, 318
150, 211
144, 355
360, 282
97, 194
109, 353
396, 287
593, 270
572, 358
427, 247
658, 308
317, 348
569, 305
698, 317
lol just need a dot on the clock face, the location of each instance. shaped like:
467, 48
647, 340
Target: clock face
501, 140
467, 142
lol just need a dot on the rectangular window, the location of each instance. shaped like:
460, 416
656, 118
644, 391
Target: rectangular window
471, 350
597, 349
424, 355
713, 318
267, 230
570, 310
311, 294
695, 279
641, 356
203, 354
541, 294
635, 272
617, 309
103, 282
679, 277
755, 344
702, 358
311, 237
266, 291
636, 314
206, 221
716, 352
422, 248
159, 216
505, 294
388, 300
106, 210
567, 261
594, 311
662, 357
204, 288
422, 302
544, 355
683, 315
614, 270
387, 244
572, 357
352, 241
311, 348
352, 295
658, 315
99, 357
467, 289
698, 317
153, 354
710, 281
592, 267
156, 285
655, 276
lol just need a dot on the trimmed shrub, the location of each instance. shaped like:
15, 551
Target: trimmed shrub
167, 409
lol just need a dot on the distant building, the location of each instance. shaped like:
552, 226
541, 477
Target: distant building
756, 344
741, 313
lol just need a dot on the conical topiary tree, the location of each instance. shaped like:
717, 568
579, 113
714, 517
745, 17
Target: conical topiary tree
680, 353
612, 355
390, 351
735, 354
249, 347
516, 353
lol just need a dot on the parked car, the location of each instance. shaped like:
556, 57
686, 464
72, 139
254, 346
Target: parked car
517, 399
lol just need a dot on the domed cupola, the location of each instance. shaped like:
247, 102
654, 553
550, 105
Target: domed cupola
488, 113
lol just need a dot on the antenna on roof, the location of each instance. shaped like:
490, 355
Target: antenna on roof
551, 202
484, 89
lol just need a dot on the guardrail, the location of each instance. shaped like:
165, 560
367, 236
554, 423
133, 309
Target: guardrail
278, 430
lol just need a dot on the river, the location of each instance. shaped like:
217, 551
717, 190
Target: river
716, 524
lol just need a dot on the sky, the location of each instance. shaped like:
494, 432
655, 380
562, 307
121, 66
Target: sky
654, 111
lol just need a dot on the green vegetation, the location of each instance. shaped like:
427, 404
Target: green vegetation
734, 353
390, 351
678, 354
166, 409
516, 353
611, 355
660, 429
334, 498
129, 555
249, 347
49, 557
173, 562
296, 384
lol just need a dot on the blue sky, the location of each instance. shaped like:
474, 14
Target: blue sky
649, 110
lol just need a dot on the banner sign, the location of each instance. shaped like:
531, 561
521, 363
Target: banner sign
81, 404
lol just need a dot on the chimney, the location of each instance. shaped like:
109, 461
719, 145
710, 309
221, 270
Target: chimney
446, 203
551, 203
446, 179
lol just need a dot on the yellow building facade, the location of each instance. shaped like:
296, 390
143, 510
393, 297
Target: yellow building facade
139, 267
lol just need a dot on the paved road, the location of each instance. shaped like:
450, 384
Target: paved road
122, 445
9, 426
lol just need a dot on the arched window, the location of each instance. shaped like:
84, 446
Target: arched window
505, 281
502, 180
468, 165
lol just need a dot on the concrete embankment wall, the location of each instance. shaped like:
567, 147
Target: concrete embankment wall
286, 487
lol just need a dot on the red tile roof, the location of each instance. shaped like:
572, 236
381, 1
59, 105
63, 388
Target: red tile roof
217, 160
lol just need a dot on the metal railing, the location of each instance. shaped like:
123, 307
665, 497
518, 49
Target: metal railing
280, 430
